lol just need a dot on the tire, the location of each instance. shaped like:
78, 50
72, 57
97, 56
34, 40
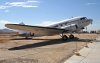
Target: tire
71, 36
64, 37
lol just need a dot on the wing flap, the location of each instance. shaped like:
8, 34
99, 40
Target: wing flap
35, 29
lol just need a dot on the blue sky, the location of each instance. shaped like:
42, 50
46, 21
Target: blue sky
41, 12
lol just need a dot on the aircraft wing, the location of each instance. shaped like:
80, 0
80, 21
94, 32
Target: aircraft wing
36, 29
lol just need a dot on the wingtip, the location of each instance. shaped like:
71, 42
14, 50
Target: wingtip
6, 25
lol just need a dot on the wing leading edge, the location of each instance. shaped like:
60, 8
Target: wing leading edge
35, 29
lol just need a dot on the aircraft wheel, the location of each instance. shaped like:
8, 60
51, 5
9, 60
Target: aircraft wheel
64, 37
71, 36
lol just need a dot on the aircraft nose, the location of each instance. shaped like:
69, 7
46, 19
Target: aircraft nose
90, 20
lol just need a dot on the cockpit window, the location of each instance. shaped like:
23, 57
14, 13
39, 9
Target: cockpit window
83, 18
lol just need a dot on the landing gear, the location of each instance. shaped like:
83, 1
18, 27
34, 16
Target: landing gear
71, 36
64, 37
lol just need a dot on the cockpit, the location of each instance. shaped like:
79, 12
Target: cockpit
83, 18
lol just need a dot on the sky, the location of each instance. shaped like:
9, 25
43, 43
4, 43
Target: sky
46, 12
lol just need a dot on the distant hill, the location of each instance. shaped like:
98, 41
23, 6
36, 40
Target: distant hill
6, 31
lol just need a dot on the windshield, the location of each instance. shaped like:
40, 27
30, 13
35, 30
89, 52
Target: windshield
83, 18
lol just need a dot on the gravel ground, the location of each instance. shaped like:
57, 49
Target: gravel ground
46, 49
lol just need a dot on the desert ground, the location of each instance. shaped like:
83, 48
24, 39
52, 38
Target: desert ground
45, 49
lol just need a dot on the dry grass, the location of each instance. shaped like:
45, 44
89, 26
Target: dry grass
4, 40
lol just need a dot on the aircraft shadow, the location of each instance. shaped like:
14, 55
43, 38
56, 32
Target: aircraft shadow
30, 39
48, 42
96, 40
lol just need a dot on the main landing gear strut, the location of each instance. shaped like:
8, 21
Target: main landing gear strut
65, 37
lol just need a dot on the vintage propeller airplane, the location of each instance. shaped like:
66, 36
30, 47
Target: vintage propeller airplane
75, 24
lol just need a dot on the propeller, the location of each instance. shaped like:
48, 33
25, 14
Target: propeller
86, 28
91, 23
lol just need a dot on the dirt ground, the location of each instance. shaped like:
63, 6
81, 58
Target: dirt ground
46, 49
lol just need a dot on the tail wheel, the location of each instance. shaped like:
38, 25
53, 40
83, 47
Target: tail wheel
71, 36
64, 37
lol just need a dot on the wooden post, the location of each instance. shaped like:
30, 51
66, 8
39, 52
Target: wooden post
76, 50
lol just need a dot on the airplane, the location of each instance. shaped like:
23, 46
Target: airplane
74, 24
27, 35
